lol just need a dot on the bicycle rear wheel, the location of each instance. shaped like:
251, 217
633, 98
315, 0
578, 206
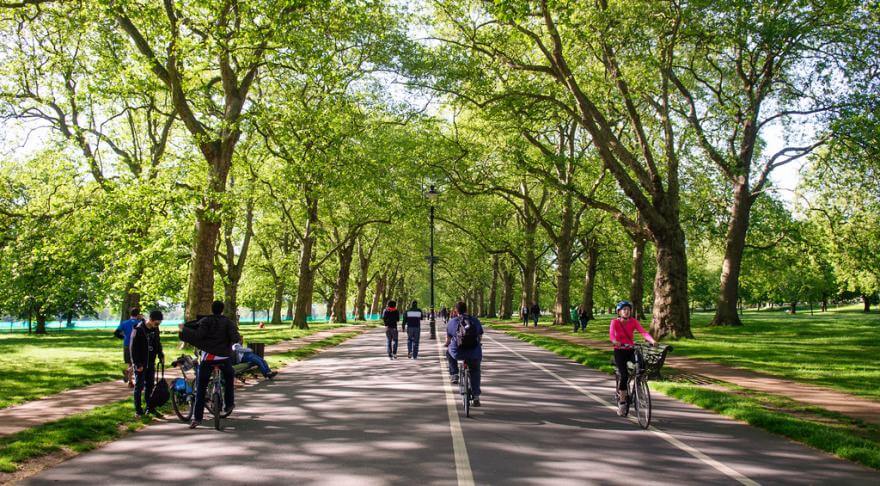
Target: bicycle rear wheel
464, 380
217, 405
643, 402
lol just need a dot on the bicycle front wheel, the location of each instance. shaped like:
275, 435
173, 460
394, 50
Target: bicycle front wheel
643, 402
182, 403
217, 407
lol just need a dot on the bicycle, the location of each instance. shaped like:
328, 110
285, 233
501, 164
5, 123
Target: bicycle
647, 364
183, 394
464, 386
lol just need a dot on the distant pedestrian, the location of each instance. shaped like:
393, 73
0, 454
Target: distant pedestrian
123, 331
146, 346
444, 314
524, 315
390, 316
414, 318
535, 312
583, 317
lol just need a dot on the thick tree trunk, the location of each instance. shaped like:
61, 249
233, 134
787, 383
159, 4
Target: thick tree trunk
340, 293
278, 302
735, 243
637, 277
492, 311
230, 299
303, 308
129, 299
866, 301
530, 265
481, 307
506, 292
378, 295
363, 281
200, 293
670, 314
41, 323
563, 244
590, 279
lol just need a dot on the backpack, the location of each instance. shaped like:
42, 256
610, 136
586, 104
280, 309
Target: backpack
466, 336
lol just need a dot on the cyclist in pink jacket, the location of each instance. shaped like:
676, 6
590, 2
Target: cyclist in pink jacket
621, 332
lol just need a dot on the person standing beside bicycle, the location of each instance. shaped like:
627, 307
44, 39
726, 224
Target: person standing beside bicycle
214, 335
621, 333
466, 345
146, 346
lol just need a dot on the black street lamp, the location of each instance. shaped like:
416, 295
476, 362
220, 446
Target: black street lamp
432, 195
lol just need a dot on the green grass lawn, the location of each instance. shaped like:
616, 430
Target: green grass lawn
34, 366
838, 349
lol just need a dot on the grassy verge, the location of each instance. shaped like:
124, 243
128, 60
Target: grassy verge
85, 431
825, 430
33, 367
78, 433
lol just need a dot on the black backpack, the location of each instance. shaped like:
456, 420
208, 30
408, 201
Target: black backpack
466, 336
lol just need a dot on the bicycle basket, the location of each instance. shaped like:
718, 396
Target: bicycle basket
654, 357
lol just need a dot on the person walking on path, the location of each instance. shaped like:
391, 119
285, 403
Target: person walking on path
390, 316
444, 314
214, 335
583, 317
145, 347
535, 312
414, 318
464, 336
123, 331
621, 333
524, 315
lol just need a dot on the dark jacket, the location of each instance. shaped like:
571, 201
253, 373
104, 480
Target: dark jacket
535, 310
212, 334
390, 316
145, 346
413, 317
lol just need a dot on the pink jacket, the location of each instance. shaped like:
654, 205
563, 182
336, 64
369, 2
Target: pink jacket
623, 331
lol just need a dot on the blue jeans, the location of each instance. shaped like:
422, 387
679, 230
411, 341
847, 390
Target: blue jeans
582, 323
255, 359
412, 340
473, 365
391, 340
204, 376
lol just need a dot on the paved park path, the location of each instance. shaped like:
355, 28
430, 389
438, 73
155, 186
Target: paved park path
55, 407
845, 403
351, 416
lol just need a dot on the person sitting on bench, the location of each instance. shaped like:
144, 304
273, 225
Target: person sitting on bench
247, 355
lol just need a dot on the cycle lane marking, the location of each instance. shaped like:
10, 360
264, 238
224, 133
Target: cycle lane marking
717, 465
463, 470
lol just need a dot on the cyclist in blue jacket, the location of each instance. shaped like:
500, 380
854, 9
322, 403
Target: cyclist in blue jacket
472, 355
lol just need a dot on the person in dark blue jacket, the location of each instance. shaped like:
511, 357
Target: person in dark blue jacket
413, 318
472, 355
145, 348
123, 331
390, 316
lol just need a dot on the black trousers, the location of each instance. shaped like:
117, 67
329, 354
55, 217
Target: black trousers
143, 379
621, 357
205, 370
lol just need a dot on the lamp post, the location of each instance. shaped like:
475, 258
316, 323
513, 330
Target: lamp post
432, 195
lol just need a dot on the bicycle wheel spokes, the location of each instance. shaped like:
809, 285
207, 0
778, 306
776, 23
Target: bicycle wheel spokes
182, 403
643, 402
